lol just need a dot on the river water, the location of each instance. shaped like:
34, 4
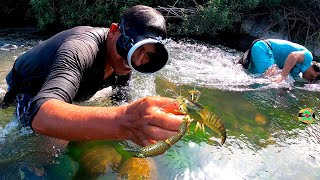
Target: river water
265, 139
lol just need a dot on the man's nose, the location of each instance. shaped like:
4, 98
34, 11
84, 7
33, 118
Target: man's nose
138, 58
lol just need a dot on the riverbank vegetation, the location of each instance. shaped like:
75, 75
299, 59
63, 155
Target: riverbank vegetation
299, 19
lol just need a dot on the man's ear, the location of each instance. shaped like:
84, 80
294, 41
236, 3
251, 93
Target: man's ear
114, 27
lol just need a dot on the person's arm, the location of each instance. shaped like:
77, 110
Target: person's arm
146, 119
292, 59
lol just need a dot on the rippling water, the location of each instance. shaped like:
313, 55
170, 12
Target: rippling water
265, 139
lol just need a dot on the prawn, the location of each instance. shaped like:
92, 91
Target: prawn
161, 146
195, 111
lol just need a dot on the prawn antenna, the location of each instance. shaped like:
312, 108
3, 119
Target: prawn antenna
171, 92
203, 90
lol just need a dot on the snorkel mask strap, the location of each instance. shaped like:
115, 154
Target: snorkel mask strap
126, 41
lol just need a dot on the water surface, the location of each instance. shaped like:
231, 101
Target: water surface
265, 139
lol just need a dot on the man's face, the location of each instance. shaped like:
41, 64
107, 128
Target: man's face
143, 54
140, 56
310, 74
118, 64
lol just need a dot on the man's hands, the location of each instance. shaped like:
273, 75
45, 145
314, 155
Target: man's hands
278, 78
143, 121
292, 59
153, 118
272, 70
274, 74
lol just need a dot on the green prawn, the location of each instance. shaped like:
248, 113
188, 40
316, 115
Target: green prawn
194, 112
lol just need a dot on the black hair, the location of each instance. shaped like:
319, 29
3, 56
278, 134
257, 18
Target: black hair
316, 68
141, 20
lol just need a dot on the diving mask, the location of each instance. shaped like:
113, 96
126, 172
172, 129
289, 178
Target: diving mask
130, 46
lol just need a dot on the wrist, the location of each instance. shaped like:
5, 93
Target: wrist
116, 123
107, 123
283, 74
125, 120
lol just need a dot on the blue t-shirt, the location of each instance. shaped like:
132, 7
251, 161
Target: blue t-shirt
263, 56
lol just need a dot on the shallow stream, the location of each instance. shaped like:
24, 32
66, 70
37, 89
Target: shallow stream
265, 139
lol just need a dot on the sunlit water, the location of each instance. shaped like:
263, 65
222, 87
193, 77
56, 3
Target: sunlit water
265, 139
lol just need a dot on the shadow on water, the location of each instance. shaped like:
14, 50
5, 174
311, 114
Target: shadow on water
265, 140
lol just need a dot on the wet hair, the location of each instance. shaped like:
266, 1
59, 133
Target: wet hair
140, 20
316, 67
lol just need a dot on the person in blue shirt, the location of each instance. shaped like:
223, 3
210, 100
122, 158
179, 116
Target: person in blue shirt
278, 58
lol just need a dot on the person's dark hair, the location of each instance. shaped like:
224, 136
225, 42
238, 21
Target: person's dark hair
245, 59
316, 67
140, 20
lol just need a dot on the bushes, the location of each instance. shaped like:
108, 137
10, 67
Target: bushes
45, 12
203, 18
69, 13
207, 20
99, 12
298, 19
16, 12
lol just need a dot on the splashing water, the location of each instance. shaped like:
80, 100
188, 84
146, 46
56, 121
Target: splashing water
264, 140
214, 66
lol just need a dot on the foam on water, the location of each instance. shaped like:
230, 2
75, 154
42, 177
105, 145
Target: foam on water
211, 66
9, 51
8, 47
2, 91
298, 160
8, 129
142, 86
311, 87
